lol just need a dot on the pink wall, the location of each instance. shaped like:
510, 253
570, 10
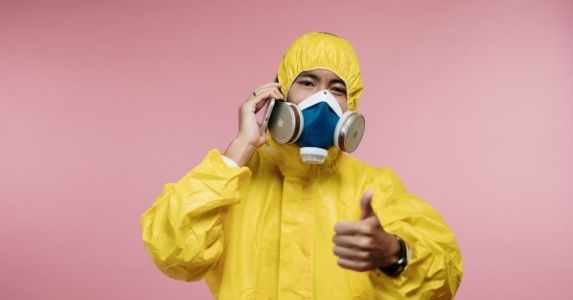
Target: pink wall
101, 103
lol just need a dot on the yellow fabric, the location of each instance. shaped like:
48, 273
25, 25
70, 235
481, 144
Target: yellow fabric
316, 50
265, 231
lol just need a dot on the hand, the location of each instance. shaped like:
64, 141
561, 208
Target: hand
249, 137
364, 245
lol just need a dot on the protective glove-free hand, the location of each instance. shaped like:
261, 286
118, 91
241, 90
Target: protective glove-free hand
249, 137
364, 245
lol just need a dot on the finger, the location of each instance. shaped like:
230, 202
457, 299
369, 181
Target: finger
364, 227
344, 240
370, 225
261, 99
254, 104
366, 205
264, 86
261, 104
347, 227
276, 92
354, 241
351, 253
359, 266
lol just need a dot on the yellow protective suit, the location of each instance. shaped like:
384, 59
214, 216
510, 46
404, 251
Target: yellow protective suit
264, 231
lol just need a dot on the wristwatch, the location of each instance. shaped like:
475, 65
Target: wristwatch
396, 268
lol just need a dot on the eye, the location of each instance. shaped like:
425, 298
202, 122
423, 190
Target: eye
306, 82
338, 90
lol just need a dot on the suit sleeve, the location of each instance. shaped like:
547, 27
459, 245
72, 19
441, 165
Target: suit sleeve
182, 230
435, 266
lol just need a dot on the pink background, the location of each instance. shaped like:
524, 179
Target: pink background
102, 102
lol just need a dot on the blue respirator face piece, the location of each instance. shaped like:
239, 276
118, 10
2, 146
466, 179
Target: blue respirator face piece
316, 124
319, 126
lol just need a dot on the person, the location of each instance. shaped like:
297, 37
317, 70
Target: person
264, 221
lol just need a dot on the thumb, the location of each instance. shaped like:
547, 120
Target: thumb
365, 205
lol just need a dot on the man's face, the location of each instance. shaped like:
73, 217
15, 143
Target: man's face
310, 82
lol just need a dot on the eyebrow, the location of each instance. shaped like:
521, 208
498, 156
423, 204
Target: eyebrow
315, 77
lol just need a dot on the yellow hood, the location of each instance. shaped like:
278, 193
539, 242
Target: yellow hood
318, 50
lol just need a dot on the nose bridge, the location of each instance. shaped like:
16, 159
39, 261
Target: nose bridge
322, 85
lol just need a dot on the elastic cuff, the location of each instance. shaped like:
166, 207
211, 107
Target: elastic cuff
230, 162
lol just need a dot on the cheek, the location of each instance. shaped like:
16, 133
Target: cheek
296, 95
343, 103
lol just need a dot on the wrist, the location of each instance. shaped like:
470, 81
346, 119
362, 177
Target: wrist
392, 251
239, 151
399, 259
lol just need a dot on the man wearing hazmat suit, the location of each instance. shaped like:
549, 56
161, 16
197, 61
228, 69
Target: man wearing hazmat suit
286, 214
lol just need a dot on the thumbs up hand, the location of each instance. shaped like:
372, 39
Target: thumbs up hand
364, 245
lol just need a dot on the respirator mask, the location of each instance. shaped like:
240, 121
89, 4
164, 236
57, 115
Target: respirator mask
316, 124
